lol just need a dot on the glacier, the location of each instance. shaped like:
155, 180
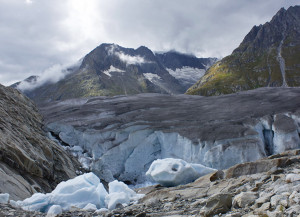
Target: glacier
120, 137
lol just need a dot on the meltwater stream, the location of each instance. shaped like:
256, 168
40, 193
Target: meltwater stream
281, 61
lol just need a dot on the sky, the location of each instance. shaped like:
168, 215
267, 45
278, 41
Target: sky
38, 35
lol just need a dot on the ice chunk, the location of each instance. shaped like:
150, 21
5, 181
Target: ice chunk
84, 192
102, 210
113, 199
4, 198
77, 192
54, 210
120, 193
172, 172
90, 206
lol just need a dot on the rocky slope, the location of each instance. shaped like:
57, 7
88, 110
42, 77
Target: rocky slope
111, 70
268, 57
110, 135
267, 187
29, 161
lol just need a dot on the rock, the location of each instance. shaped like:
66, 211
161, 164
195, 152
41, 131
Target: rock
244, 199
275, 170
29, 161
264, 199
274, 214
294, 198
255, 167
217, 175
264, 207
293, 210
220, 203
279, 200
234, 215
142, 214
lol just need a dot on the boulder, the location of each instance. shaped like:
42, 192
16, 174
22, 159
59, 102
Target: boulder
244, 199
219, 203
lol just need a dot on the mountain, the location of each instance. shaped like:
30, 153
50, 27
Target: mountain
111, 70
269, 56
29, 161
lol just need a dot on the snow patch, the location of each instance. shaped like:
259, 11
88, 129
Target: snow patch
172, 172
151, 77
112, 69
187, 73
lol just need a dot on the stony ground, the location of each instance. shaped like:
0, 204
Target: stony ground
268, 187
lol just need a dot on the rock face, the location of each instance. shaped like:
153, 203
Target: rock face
29, 161
219, 132
111, 70
269, 56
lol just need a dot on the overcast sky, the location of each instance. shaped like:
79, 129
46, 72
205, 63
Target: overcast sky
37, 34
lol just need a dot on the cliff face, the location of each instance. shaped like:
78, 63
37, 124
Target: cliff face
29, 161
269, 56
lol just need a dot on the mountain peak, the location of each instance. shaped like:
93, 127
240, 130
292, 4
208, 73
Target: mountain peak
268, 56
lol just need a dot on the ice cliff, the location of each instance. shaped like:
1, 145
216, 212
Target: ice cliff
119, 137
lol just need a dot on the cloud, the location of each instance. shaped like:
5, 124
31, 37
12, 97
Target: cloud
29, 1
38, 34
114, 50
50, 75
130, 59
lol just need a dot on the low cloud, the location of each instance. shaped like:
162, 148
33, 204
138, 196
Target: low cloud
131, 59
50, 75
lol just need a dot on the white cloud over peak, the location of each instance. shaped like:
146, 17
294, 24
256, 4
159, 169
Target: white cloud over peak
130, 59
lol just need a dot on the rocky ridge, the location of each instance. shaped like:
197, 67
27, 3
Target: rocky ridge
267, 57
29, 161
